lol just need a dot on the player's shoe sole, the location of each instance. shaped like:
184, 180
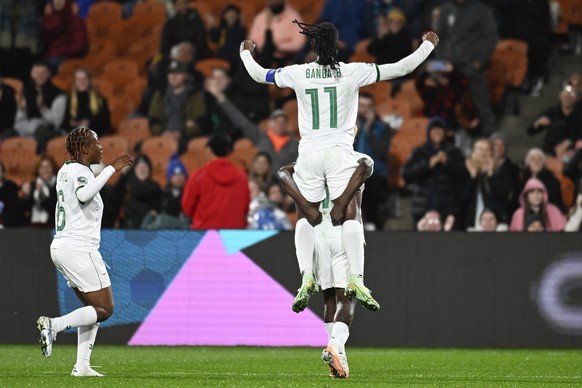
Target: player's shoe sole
363, 294
308, 288
332, 359
47, 335
85, 373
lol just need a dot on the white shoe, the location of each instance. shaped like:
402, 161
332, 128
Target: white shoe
344, 362
47, 335
85, 372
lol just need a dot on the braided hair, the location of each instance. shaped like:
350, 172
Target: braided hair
324, 40
76, 140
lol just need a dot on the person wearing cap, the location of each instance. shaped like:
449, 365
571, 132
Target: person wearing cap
217, 195
438, 172
277, 140
181, 109
170, 215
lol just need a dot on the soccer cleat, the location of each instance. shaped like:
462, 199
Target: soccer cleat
356, 289
331, 357
88, 372
344, 361
47, 335
308, 288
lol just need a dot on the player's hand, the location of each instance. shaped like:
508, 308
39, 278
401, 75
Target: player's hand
247, 45
122, 161
312, 215
432, 37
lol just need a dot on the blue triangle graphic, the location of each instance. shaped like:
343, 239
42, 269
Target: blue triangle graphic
236, 240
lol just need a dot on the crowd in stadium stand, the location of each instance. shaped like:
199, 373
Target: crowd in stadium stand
158, 79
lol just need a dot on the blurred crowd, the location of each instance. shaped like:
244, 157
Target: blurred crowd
163, 81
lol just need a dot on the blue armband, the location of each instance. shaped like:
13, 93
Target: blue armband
270, 77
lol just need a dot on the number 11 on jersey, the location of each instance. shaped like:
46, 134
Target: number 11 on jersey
314, 95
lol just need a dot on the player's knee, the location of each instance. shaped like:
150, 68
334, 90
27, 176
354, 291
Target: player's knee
104, 312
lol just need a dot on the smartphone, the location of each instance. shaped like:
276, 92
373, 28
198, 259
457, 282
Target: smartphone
438, 66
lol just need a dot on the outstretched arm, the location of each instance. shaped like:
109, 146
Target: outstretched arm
305, 209
411, 62
256, 71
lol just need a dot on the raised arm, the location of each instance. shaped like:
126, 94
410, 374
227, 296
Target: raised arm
85, 193
256, 71
411, 62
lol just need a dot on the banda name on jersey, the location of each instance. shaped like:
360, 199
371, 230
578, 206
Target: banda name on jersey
322, 73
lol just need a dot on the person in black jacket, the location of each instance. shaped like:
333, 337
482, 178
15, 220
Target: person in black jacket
437, 171
228, 35
186, 25
12, 208
488, 186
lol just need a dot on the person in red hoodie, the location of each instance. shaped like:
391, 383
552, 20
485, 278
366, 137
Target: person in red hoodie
217, 195
64, 33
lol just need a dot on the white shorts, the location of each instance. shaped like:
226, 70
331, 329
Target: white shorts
332, 167
331, 267
83, 270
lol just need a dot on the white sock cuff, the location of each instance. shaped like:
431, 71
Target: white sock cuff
352, 227
303, 223
342, 326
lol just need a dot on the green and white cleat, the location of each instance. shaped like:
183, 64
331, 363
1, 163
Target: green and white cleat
47, 335
356, 289
308, 288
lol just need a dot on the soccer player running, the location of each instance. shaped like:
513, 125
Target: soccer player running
327, 96
330, 265
74, 249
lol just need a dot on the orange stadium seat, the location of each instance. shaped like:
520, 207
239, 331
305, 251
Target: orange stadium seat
197, 148
113, 146
190, 160
409, 93
120, 72
102, 16
148, 9
556, 166
205, 66
20, 164
379, 90
362, 46
400, 107
363, 56
100, 53
159, 149
19, 144
105, 88
308, 9
135, 130
56, 148
414, 129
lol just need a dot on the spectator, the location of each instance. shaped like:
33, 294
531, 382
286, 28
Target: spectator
248, 96
506, 166
276, 140
392, 41
181, 109
136, 193
276, 20
534, 201
442, 88
217, 195
529, 21
7, 111
228, 35
373, 139
488, 222
575, 80
267, 212
170, 215
182, 52
575, 218
487, 187
468, 37
431, 222
11, 206
41, 109
86, 107
220, 82
535, 223
64, 33
40, 194
349, 18
562, 124
573, 169
260, 171
186, 25
535, 167
19, 36
437, 173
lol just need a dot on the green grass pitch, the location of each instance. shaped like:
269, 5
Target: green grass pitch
24, 365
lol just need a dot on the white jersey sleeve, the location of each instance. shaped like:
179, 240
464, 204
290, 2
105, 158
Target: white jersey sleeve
364, 73
285, 77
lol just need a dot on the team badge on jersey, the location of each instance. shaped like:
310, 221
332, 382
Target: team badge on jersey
81, 181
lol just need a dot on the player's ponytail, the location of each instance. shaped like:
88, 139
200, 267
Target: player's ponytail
324, 40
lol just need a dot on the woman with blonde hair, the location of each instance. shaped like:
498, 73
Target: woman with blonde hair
86, 107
